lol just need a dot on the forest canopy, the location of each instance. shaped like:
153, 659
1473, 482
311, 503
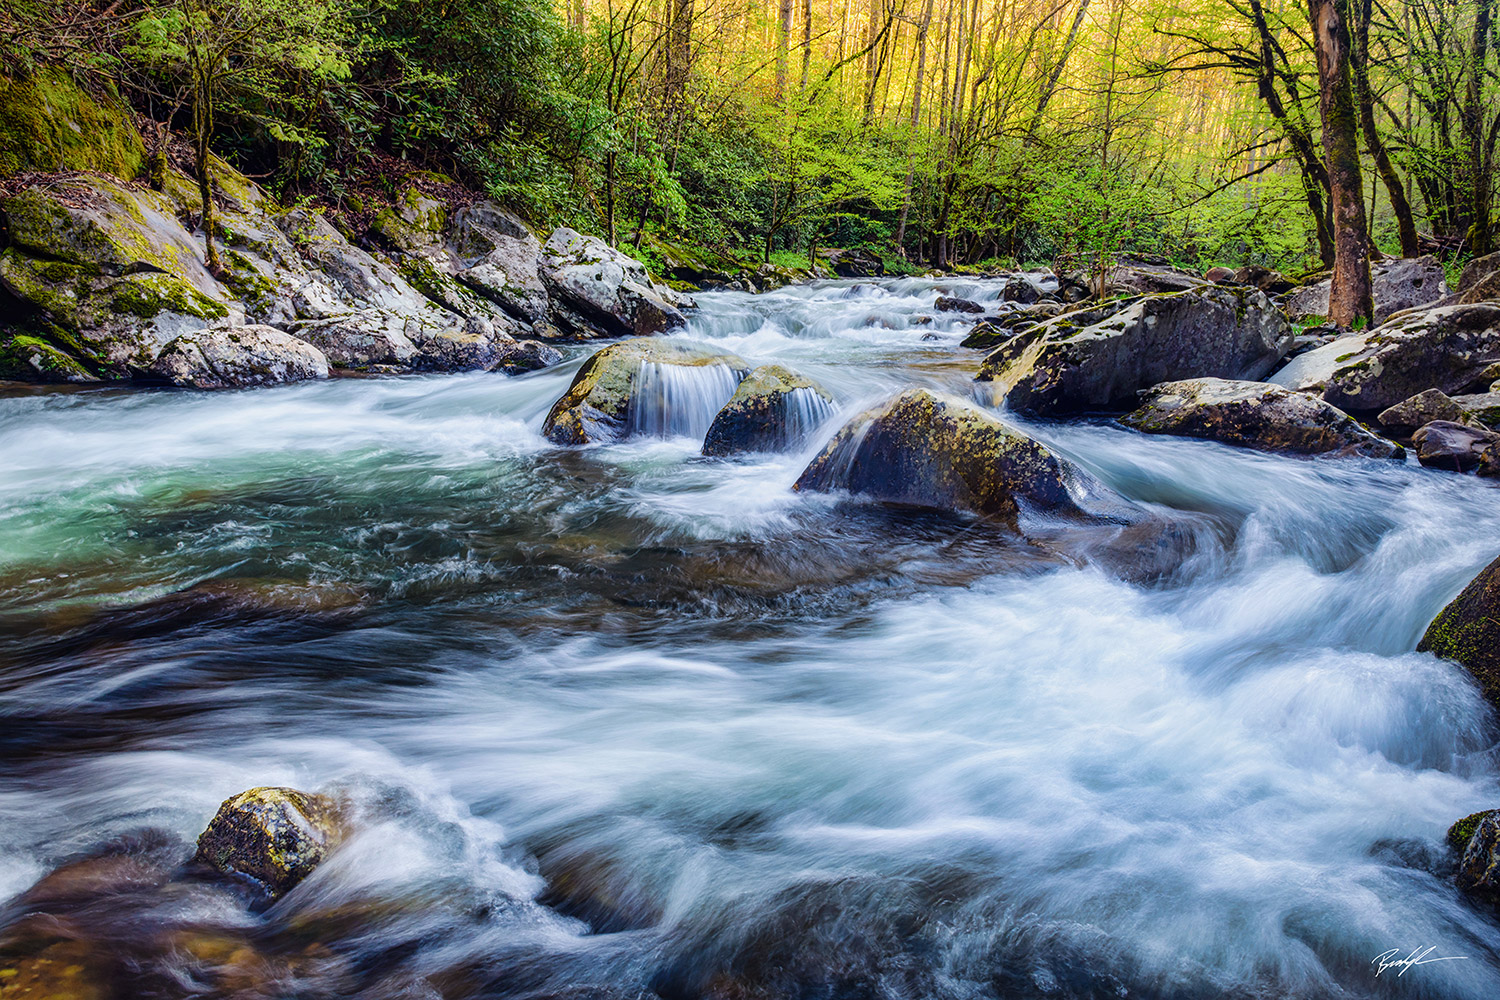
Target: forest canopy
938, 132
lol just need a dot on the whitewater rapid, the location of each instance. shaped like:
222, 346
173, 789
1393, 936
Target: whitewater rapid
624, 720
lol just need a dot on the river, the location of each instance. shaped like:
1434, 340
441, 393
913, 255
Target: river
624, 721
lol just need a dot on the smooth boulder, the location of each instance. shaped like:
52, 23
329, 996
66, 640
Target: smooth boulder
1063, 367
1447, 348
598, 290
236, 357
934, 450
1455, 447
1467, 630
1423, 408
1395, 286
273, 836
596, 407
773, 409
1256, 415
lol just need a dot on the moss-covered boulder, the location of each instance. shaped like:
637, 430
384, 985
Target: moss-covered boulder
48, 122
1256, 415
237, 357
110, 266
1480, 407
1077, 363
26, 358
1468, 631
932, 450
597, 406
1476, 838
773, 409
1426, 406
272, 836
1448, 348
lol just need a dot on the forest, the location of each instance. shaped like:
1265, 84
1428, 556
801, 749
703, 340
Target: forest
938, 133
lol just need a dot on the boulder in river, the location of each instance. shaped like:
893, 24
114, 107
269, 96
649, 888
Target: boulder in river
1423, 408
1443, 444
1021, 290
602, 291
947, 303
238, 356
598, 406
1476, 838
1077, 364
1468, 630
1447, 348
274, 836
360, 339
856, 262
934, 450
1395, 285
1256, 415
772, 409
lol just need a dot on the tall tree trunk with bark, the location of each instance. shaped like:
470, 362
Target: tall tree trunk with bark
1400, 207
1481, 153
783, 46
679, 50
1349, 298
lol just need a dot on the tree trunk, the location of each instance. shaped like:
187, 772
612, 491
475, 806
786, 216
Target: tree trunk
1481, 159
203, 130
916, 122
679, 50
806, 39
783, 46
1410, 247
1349, 299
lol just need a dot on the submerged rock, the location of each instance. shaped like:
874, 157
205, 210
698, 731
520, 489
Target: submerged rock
600, 290
275, 836
932, 450
1395, 286
1447, 348
597, 406
1256, 415
1468, 631
238, 356
1076, 363
1443, 444
773, 409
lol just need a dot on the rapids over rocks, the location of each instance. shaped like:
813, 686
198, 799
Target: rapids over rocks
624, 721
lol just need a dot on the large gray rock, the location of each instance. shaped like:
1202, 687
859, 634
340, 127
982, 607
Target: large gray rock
1256, 415
1480, 407
599, 291
510, 275
932, 450
773, 409
1423, 408
1061, 367
597, 406
1395, 285
1477, 839
1446, 348
238, 356
1442, 444
360, 339
272, 836
1477, 270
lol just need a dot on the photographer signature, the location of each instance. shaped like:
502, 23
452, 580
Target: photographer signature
1417, 956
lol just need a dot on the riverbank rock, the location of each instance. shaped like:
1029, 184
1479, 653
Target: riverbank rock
930, 450
773, 409
238, 357
855, 262
1455, 447
1423, 408
597, 290
1447, 348
1476, 838
596, 407
49, 122
1065, 367
1256, 415
510, 276
1142, 277
1396, 285
1468, 631
275, 836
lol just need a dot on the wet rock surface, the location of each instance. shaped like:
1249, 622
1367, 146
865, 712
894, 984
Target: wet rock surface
274, 836
773, 409
1442, 444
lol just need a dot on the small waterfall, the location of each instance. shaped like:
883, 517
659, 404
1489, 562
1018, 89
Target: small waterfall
806, 410
679, 400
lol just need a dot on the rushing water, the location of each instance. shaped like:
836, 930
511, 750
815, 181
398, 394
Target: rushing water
624, 721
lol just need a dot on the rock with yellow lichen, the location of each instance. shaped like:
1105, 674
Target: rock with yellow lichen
934, 450
272, 836
1468, 631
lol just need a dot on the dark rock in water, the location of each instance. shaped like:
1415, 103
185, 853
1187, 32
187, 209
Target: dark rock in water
946, 304
1468, 631
1021, 290
1076, 364
932, 450
597, 406
1443, 444
275, 836
856, 262
1256, 415
773, 409
1396, 285
235, 357
136, 862
1448, 348
1423, 408
66, 970
1477, 839
527, 356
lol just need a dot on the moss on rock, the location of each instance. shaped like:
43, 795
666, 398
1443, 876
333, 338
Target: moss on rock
48, 122
274, 836
1468, 631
